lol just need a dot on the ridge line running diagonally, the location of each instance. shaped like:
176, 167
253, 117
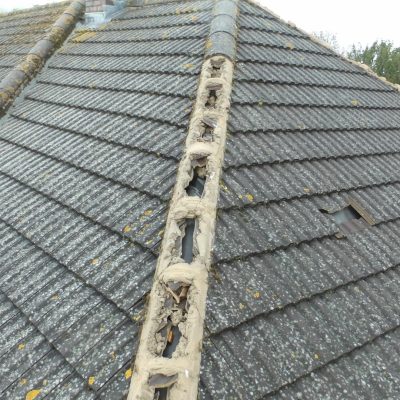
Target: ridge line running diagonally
33, 62
168, 358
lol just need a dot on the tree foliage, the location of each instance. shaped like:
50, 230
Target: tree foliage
328, 38
382, 57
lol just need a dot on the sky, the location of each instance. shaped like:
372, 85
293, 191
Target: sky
352, 21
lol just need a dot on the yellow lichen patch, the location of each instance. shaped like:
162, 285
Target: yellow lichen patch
260, 103
241, 306
289, 45
307, 190
249, 197
127, 228
91, 380
209, 44
194, 18
113, 356
32, 394
143, 230
95, 261
55, 297
128, 373
188, 66
21, 346
136, 317
316, 356
84, 36
224, 187
257, 294
148, 212
23, 381
355, 102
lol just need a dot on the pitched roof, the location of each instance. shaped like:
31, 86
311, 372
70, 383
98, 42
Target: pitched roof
20, 30
28, 39
298, 307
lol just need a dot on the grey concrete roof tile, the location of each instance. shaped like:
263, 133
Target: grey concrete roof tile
80, 165
300, 339
292, 118
182, 64
66, 243
368, 372
19, 32
266, 183
111, 161
18, 360
266, 23
61, 311
80, 173
193, 47
277, 278
280, 39
73, 387
47, 373
276, 94
159, 20
276, 261
277, 73
117, 388
250, 8
137, 35
304, 145
250, 230
172, 85
132, 104
174, 8
111, 355
257, 54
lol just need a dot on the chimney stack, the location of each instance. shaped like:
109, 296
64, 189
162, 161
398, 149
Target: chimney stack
100, 11
94, 6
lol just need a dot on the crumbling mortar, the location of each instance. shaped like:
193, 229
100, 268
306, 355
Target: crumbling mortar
200, 153
167, 365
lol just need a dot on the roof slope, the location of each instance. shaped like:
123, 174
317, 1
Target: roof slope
20, 30
87, 163
295, 312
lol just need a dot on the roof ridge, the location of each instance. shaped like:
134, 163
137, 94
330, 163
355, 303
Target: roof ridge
322, 43
168, 358
26, 70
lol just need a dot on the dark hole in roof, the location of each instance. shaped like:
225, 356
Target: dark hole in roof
348, 219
